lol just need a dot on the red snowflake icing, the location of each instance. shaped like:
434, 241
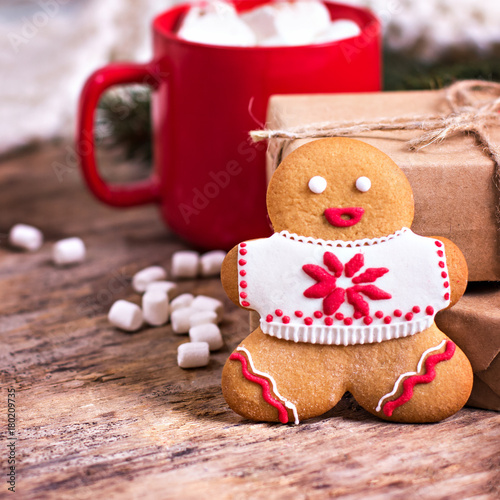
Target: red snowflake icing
333, 296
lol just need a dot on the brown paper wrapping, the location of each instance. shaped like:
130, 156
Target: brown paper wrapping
452, 181
474, 324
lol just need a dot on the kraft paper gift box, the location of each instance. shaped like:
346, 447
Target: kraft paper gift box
452, 180
474, 324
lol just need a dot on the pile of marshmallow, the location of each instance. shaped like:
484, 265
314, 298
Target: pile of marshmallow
198, 316
64, 252
277, 24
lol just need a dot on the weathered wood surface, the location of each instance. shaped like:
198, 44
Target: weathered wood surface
105, 414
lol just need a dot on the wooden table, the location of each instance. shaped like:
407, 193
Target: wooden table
106, 414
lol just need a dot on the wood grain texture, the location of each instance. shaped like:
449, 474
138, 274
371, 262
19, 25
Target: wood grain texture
106, 414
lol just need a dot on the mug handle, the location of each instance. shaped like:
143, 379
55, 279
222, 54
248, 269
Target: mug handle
118, 195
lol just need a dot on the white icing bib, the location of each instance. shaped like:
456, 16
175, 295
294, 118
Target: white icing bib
343, 292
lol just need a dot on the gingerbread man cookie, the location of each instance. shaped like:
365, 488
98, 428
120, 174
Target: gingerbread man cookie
347, 295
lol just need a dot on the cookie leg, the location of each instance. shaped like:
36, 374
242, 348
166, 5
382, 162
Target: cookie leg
273, 380
422, 378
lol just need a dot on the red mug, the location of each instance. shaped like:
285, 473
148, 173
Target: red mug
208, 179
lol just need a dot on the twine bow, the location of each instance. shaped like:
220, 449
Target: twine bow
469, 114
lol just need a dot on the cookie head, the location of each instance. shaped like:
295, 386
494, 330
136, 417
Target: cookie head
339, 189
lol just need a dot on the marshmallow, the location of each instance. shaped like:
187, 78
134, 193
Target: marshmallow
204, 303
26, 237
68, 251
208, 333
143, 278
167, 287
125, 315
339, 30
180, 319
193, 355
274, 41
155, 307
262, 22
217, 24
300, 22
202, 318
277, 24
183, 300
211, 262
287, 23
185, 264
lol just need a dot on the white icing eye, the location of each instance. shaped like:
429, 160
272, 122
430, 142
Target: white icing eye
317, 184
363, 184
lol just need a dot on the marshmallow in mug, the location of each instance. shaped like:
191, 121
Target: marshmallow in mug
339, 30
144, 277
218, 24
277, 24
287, 23
193, 355
68, 251
26, 237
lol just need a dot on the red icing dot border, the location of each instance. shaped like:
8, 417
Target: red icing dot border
314, 318
444, 274
242, 272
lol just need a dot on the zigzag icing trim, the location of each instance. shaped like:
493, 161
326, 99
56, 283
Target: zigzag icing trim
341, 243
266, 393
414, 379
408, 374
287, 403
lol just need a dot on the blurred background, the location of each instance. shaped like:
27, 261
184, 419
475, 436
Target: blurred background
49, 47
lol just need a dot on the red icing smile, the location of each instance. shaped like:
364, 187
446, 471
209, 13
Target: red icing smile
334, 216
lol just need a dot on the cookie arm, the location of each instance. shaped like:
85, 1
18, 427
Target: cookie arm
229, 275
457, 269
